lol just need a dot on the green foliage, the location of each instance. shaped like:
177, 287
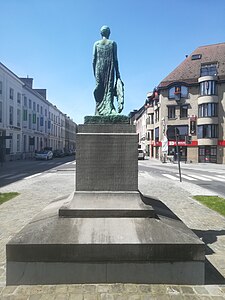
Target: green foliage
7, 196
112, 119
213, 202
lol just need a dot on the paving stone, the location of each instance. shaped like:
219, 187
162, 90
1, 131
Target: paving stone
75, 288
130, 288
8, 290
145, 288
187, 290
134, 297
103, 288
159, 289
173, 290
35, 297
117, 288
106, 296
59, 296
53, 297
90, 297
214, 290
200, 290
75, 296
89, 288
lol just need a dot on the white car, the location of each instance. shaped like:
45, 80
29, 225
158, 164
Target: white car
141, 154
44, 154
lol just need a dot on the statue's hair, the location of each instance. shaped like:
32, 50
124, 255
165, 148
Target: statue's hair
105, 31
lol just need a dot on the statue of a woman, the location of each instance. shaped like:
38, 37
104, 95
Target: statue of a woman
105, 66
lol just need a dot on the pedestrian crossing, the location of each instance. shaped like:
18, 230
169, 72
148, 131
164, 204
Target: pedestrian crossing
194, 177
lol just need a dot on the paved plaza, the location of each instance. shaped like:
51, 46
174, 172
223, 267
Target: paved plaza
208, 225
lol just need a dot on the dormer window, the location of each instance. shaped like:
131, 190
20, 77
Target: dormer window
208, 70
178, 91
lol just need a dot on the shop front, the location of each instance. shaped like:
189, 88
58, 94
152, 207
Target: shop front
207, 154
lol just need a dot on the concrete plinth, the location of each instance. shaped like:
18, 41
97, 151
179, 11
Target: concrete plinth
52, 250
106, 231
107, 158
106, 205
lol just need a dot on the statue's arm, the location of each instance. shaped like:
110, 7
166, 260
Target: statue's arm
116, 60
94, 57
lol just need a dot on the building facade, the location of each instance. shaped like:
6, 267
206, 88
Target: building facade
188, 109
28, 121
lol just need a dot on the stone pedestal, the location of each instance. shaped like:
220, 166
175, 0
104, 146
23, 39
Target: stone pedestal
106, 231
107, 158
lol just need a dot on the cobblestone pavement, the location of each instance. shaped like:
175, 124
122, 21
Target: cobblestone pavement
208, 225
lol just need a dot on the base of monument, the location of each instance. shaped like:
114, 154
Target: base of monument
45, 273
106, 205
110, 249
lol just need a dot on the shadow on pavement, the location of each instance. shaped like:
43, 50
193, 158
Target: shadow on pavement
212, 275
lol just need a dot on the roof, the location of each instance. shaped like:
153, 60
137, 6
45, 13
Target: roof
189, 70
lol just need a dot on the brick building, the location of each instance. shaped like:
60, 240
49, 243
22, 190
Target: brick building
192, 100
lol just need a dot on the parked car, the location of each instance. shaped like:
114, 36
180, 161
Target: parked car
141, 154
44, 154
58, 153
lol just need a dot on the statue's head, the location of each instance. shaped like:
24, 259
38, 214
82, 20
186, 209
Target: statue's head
105, 31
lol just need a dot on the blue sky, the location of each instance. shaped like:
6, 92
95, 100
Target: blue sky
52, 41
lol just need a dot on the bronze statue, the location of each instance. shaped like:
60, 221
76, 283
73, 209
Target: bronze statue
105, 66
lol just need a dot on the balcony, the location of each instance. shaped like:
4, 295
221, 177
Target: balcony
208, 120
207, 99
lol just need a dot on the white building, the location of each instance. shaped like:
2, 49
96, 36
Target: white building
28, 121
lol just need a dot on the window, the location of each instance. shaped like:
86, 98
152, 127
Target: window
196, 56
38, 123
25, 101
208, 88
11, 93
18, 143
157, 134
181, 129
177, 92
11, 143
0, 112
18, 98
38, 108
208, 110
18, 117
25, 115
30, 104
157, 115
10, 115
34, 106
183, 111
207, 154
208, 70
208, 131
0, 87
29, 121
171, 112
34, 118
41, 110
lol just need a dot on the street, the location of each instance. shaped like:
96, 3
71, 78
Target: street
208, 176
25, 169
194, 176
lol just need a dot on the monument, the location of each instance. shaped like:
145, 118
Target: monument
105, 67
106, 231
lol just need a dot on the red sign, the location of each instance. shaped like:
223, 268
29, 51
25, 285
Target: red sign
221, 143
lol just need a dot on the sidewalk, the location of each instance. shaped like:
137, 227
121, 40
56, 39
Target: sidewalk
208, 225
